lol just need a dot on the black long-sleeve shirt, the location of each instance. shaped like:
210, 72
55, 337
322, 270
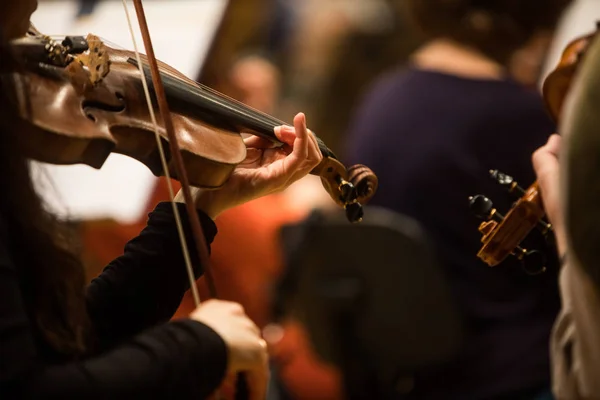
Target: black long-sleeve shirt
143, 355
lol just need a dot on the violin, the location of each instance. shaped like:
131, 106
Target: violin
502, 235
82, 100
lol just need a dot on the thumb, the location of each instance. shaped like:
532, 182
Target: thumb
545, 159
554, 144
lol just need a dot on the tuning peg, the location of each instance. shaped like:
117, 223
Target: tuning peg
544, 227
347, 190
507, 181
354, 212
533, 262
483, 208
75, 44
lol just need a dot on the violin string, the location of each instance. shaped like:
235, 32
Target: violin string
242, 106
163, 159
241, 110
198, 87
183, 86
262, 124
246, 110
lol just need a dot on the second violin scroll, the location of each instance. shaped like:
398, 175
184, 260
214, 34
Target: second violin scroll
502, 235
81, 100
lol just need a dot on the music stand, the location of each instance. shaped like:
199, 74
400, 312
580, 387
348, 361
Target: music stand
371, 296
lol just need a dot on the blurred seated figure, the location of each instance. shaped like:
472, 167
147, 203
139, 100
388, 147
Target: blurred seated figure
254, 81
245, 275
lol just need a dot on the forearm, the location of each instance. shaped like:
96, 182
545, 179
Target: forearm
144, 286
178, 359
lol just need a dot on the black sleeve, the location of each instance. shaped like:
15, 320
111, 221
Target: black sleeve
145, 286
184, 358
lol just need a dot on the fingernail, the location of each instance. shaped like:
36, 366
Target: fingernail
273, 333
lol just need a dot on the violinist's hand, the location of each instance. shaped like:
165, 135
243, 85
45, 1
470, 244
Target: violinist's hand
265, 170
546, 166
247, 349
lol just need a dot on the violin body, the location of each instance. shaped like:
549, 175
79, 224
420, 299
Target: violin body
503, 235
98, 114
558, 82
82, 100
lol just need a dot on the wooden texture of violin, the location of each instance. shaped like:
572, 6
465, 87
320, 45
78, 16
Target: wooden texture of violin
106, 112
82, 100
557, 83
502, 237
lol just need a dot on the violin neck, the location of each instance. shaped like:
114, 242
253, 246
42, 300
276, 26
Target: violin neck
218, 109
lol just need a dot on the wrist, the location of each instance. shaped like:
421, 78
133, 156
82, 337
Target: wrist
205, 201
208, 202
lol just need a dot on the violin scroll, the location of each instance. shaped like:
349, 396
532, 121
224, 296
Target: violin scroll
502, 234
351, 188
365, 181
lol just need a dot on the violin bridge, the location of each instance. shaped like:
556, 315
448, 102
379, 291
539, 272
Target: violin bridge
80, 78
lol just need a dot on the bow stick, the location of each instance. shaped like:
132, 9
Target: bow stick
199, 237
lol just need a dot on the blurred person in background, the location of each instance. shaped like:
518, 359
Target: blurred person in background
431, 132
320, 56
255, 81
246, 275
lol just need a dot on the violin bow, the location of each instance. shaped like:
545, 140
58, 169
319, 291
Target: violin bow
194, 220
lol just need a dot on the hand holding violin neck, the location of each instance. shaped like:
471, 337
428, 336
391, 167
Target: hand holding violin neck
348, 188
